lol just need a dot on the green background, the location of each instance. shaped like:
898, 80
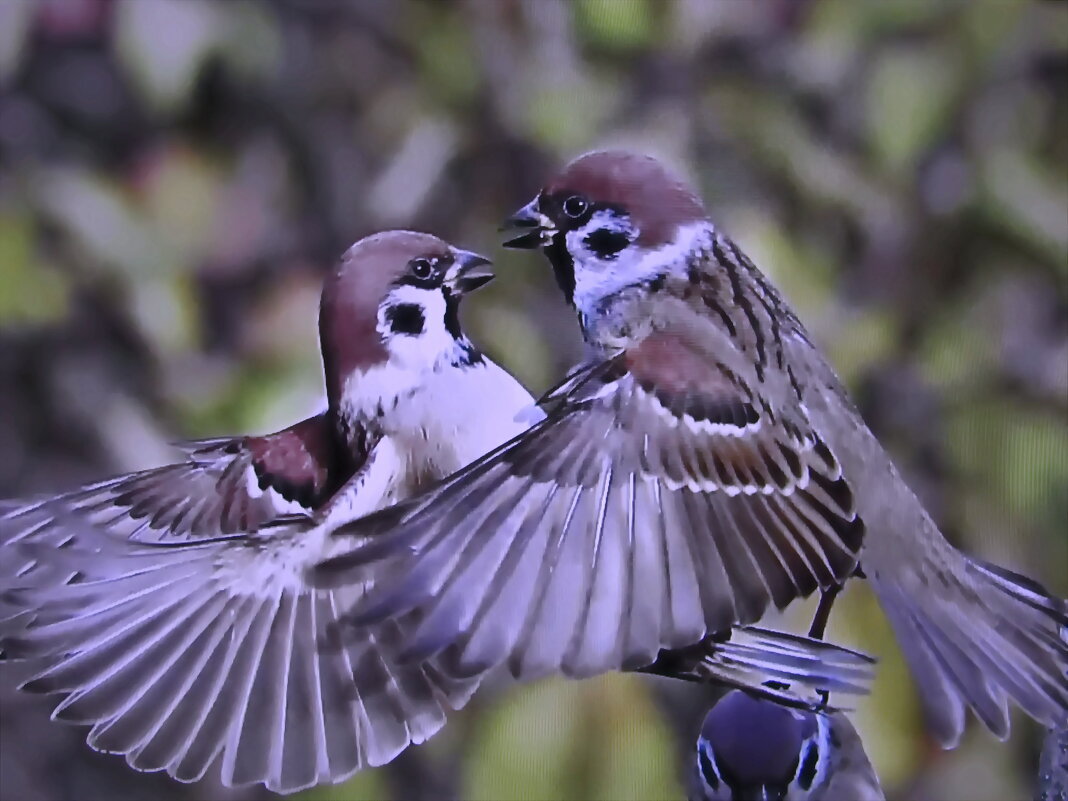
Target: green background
175, 178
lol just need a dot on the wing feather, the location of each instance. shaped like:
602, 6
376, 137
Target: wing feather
527, 658
618, 526
597, 638
184, 654
513, 586
566, 591
141, 728
222, 487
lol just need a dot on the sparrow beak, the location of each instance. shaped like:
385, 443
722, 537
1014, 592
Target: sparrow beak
530, 217
468, 272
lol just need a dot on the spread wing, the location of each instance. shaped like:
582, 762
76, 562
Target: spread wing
658, 501
222, 487
181, 655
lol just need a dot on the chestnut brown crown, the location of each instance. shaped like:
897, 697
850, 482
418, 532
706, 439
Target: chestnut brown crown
656, 200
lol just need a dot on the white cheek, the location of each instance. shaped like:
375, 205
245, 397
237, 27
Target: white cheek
417, 350
380, 387
597, 278
602, 221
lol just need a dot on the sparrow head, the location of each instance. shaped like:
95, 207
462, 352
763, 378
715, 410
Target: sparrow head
610, 219
752, 748
394, 298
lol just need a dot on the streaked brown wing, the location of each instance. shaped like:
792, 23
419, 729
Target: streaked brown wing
657, 502
222, 487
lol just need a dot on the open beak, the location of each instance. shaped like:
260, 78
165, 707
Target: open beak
469, 271
538, 229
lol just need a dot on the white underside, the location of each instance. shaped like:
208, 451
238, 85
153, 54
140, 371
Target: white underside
454, 417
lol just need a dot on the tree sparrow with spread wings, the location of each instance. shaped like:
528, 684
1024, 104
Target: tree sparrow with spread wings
171, 610
707, 465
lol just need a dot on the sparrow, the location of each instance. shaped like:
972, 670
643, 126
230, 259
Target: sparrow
169, 606
704, 465
751, 749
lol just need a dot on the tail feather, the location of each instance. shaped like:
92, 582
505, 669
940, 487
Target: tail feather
1027, 591
943, 705
976, 637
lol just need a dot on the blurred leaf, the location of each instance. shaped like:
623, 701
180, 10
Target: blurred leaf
103, 221
413, 171
166, 312
1033, 440
1021, 195
164, 43
828, 49
862, 340
15, 17
444, 46
616, 24
237, 403
955, 354
524, 742
598, 739
1015, 457
900, 15
982, 771
31, 293
633, 742
1001, 447
110, 230
987, 24
253, 39
179, 190
509, 336
565, 117
911, 97
368, 785
783, 142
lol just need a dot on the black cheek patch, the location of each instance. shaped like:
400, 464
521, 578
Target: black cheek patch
406, 318
606, 243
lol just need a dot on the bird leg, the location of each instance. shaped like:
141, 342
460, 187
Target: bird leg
823, 611
819, 626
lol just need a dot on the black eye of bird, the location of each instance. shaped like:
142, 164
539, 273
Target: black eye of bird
421, 268
575, 206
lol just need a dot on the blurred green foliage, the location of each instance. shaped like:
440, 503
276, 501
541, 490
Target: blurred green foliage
176, 176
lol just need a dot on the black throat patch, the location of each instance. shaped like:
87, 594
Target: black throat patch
452, 315
406, 318
467, 355
563, 267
